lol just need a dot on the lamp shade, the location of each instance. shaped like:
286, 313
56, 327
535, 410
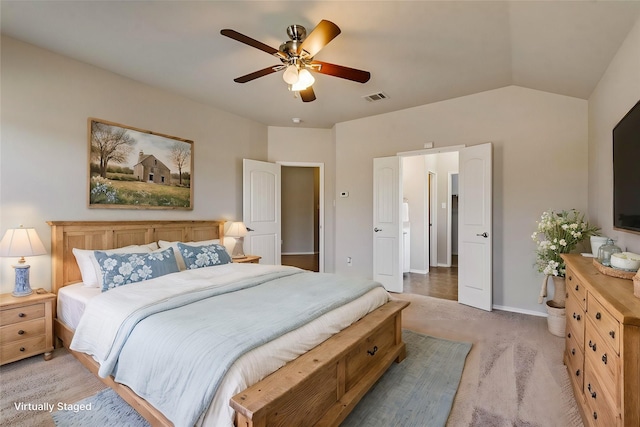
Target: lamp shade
237, 229
21, 242
290, 75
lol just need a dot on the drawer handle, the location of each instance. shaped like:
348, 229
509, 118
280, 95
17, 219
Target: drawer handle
598, 316
592, 346
21, 315
604, 358
595, 415
573, 351
569, 335
593, 393
22, 349
576, 316
374, 351
578, 373
577, 287
612, 334
20, 332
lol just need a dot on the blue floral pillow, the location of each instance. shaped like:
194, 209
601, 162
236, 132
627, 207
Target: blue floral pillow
203, 256
122, 269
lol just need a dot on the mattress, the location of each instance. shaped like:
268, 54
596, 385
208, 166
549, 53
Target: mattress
256, 364
72, 301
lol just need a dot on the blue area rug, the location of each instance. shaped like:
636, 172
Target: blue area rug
417, 392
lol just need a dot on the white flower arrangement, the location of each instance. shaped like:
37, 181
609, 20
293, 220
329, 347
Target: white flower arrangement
559, 233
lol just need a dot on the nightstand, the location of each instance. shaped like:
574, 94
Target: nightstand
26, 326
249, 259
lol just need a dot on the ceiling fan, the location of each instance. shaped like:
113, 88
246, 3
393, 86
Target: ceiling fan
297, 60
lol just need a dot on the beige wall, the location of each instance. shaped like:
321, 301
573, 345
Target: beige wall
540, 163
46, 100
616, 93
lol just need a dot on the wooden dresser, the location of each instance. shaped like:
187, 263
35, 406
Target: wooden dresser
602, 351
26, 326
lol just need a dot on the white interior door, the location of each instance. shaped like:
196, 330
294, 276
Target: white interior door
387, 225
475, 227
261, 193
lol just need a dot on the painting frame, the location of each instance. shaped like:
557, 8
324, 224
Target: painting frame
133, 168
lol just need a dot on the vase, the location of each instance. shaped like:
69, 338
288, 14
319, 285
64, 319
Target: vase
559, 291
556, 320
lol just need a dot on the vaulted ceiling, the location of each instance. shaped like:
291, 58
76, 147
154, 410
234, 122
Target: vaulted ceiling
418, 52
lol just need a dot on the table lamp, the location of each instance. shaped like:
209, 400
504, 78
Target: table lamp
21, 242
237, 230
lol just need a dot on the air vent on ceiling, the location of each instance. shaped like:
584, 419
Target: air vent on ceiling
376, 97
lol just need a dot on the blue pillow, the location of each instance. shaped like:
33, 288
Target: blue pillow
122, 269
203, 256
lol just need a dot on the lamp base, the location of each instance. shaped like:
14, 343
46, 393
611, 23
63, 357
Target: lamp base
22, 287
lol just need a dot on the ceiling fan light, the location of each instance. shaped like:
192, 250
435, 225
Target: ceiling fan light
297, 87
290, 75
305, 78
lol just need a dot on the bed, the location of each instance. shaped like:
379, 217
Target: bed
318, 385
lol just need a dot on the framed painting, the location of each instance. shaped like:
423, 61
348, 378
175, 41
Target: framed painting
132, 168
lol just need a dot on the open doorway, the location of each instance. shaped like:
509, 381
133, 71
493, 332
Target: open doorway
430, 189
301, 213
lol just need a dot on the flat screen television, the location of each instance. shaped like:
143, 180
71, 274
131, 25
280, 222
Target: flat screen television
626, 172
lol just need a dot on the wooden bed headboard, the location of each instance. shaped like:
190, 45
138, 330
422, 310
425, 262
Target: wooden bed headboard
103, 235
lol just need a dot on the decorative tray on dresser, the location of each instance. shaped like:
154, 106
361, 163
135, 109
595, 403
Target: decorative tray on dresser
602, 351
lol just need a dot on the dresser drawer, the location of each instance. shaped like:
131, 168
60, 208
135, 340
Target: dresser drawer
606, 325
576, 288
21, 314
21, 331
575, 361
602, 409
604, 362
24, 348
367, 352
575, 320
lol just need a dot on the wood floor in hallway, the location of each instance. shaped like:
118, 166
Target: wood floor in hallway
440, 282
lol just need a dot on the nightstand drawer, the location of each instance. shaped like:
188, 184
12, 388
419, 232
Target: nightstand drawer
22, 349
21, 314
21, 331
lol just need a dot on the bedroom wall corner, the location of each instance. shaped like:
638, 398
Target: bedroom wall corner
617, 91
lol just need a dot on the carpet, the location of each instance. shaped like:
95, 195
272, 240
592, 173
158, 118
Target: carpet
418, 391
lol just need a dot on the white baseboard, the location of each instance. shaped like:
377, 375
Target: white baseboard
423, 272
520, 310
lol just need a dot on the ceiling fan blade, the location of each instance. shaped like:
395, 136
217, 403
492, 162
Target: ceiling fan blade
308, 94
321, 35
251, 42
256, 74
340, 71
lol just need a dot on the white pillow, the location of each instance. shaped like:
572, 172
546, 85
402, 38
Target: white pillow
181, 265
89, 268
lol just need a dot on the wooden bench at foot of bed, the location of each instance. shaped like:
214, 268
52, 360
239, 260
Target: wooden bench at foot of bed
323, 385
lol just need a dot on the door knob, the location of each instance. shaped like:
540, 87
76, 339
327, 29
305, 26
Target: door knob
485, 235
377, 229
249, 229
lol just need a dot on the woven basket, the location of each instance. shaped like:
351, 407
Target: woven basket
556, 320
